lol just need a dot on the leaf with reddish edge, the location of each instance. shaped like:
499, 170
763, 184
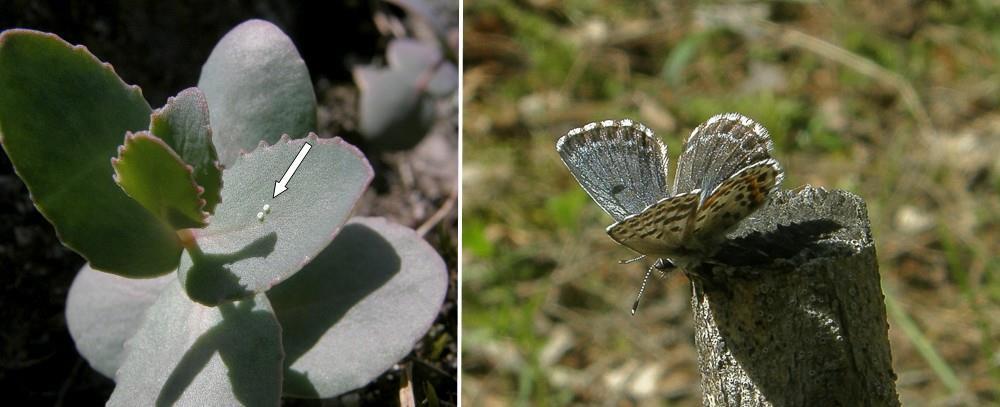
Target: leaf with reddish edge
62, 116
183, 124
150, 172
247, 249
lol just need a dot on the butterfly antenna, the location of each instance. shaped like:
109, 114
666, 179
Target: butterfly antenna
627, 261
635, 305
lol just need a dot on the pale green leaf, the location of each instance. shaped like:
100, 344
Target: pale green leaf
188, 354
358, 308
258, 88
155, 176
104, 310
248, 249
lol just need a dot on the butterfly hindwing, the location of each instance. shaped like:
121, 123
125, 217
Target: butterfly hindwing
659, 228
717, 149
620, 163
735, 199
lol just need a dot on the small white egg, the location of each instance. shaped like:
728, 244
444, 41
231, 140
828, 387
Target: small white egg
260, 216
267, 208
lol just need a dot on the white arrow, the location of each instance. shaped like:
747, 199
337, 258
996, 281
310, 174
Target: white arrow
280, 186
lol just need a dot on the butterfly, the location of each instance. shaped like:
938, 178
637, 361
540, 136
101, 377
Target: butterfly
725, 172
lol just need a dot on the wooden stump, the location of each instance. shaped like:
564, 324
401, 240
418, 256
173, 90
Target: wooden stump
791, 312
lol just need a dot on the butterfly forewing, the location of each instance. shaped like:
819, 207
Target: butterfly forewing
660, 228
620, 163
717, 149
735, 199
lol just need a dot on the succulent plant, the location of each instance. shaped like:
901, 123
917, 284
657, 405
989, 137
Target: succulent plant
222, 263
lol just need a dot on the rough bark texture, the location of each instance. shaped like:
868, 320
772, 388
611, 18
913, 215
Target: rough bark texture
791, 312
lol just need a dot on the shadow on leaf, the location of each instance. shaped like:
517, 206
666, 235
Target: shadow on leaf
209, 280
354, 265
241, 341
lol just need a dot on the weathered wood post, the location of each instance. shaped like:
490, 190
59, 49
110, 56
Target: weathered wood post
792, 313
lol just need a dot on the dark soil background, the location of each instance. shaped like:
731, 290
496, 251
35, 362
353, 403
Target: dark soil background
160, 46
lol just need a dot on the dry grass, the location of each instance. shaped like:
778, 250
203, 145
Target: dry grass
896, 102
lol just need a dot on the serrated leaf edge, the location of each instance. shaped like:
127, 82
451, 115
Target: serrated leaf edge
286, 139
199, 190
79, 49
83, 50
157, 113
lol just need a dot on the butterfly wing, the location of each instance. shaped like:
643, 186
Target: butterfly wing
620, 163
717, 149
660, 228
735, 199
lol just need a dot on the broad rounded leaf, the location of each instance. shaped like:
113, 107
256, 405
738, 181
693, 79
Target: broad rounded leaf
183, 124
258, 88
62, 116
241, 253
188, 354
150, 172
358, 308
104, 310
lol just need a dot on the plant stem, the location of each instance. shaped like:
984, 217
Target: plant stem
189, 241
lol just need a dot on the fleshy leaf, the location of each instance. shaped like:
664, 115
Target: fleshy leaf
104, 310
397, 106
183, 124
258, 88
150, 172
188, 354
358, 308
248, 249
62, 115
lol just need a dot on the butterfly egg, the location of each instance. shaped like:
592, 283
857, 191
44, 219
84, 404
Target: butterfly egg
267, 208
260, 216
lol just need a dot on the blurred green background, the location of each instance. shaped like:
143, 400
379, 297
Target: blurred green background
895, 101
